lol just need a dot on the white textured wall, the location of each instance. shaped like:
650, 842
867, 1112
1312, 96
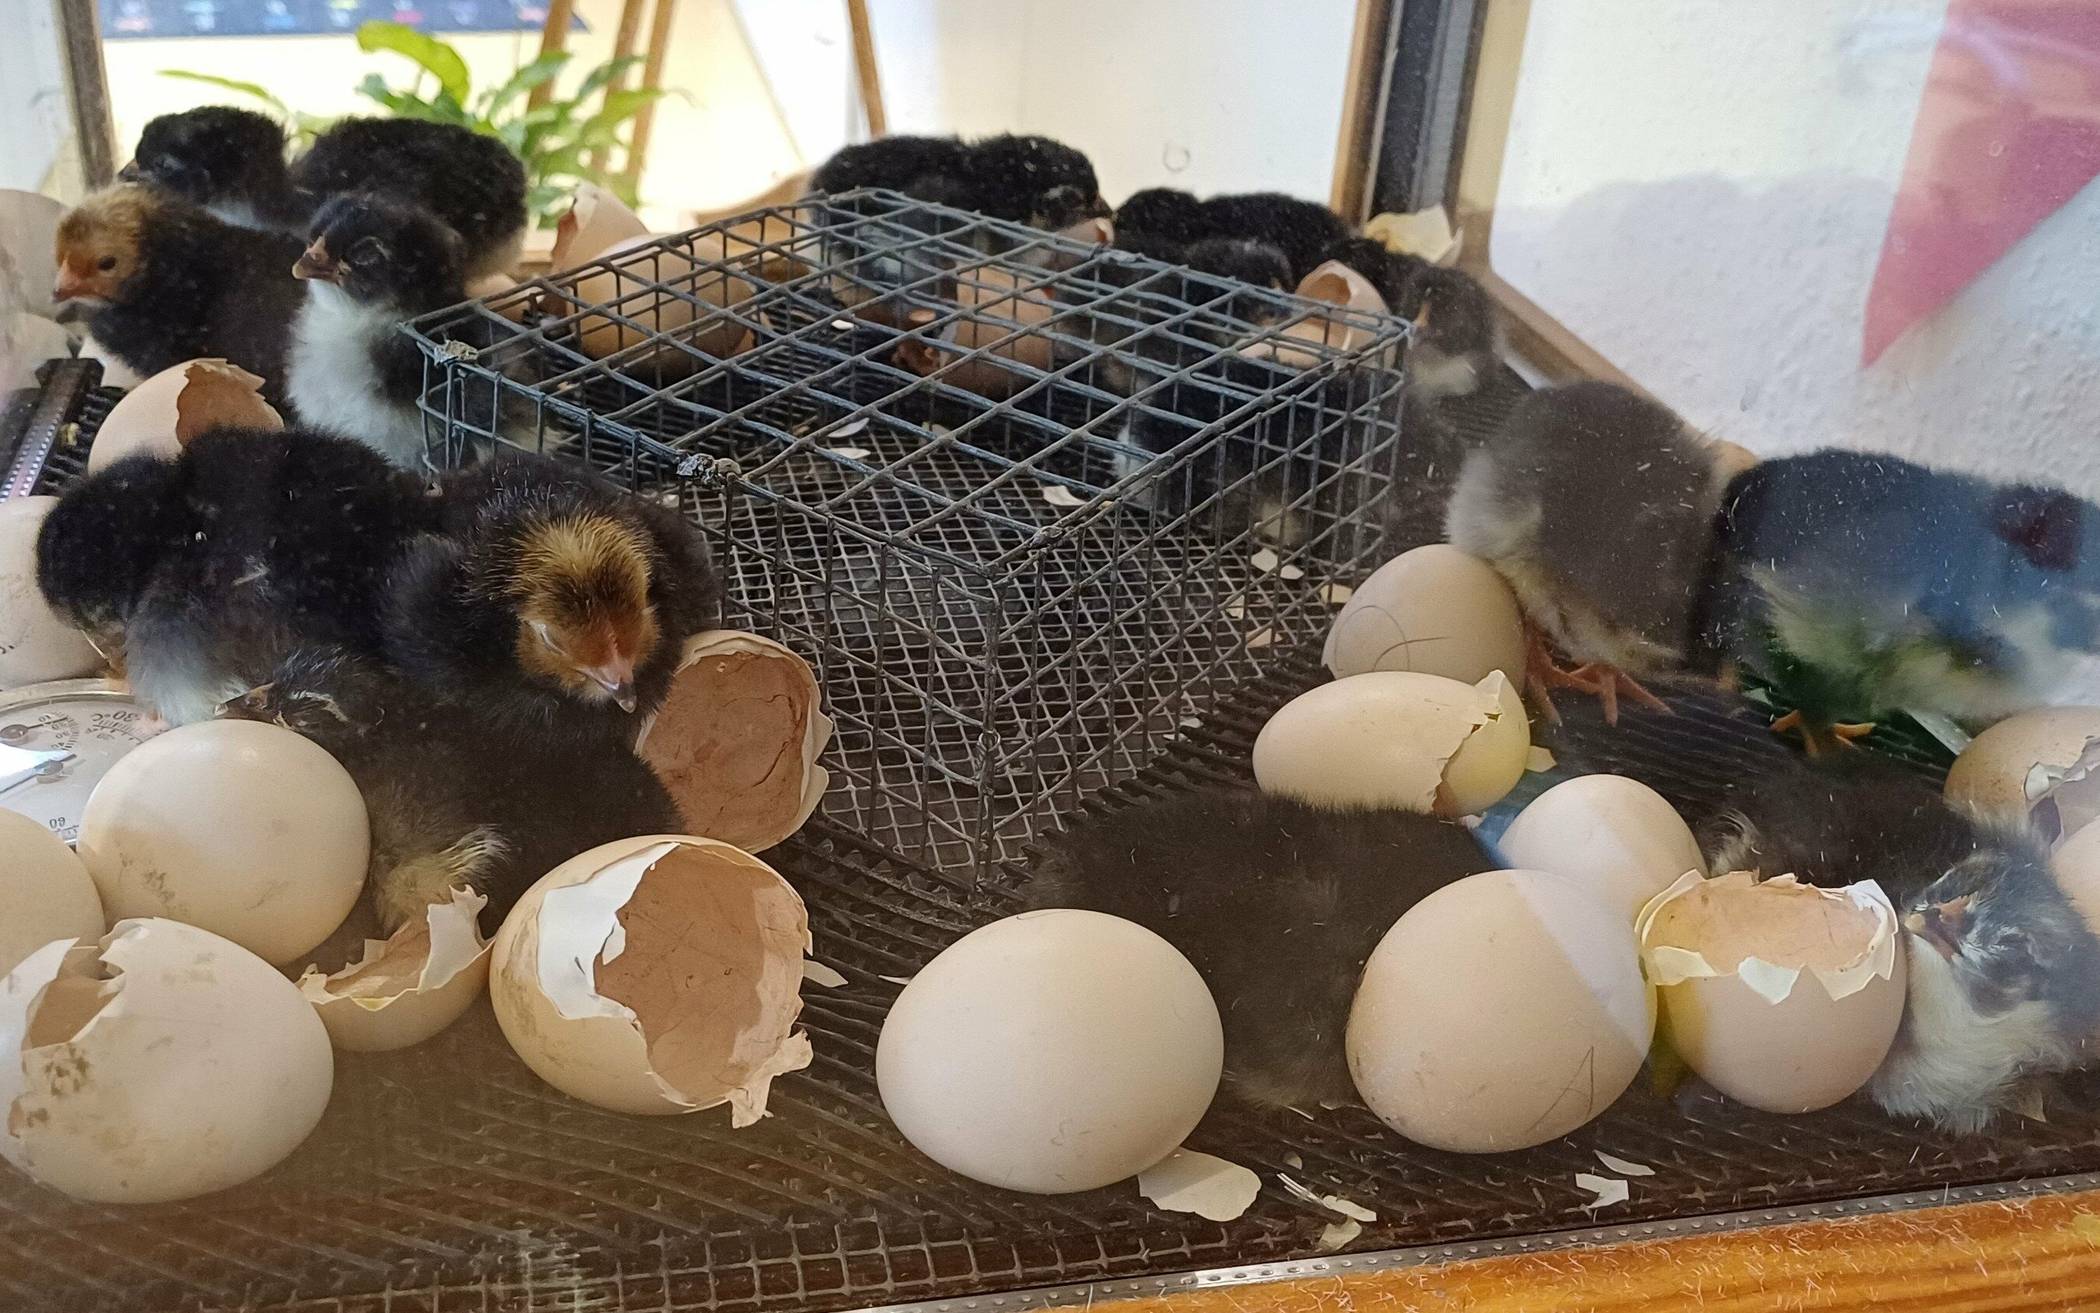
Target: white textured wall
1700, 190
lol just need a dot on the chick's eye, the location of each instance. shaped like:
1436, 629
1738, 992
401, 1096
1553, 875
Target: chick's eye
106, 263
546, 636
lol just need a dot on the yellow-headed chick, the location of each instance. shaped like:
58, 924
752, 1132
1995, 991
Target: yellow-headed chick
551, 602
161, 282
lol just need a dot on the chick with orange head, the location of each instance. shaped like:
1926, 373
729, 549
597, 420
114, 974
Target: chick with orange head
552, 601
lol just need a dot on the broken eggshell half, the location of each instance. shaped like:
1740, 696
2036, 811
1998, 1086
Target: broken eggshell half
159, 1062
1397, 739
995, 312
658, 975
409, 986
1783, 996
737, 739
2041, 766
164, 413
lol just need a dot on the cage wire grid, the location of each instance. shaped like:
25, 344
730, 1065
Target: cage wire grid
1025, 504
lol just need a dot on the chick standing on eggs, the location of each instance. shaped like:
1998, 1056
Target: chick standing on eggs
203, 569
164, 282
455, 801
551, 602
1277, 903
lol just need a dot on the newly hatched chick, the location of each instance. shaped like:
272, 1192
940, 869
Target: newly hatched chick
372, 265
1033, 180
1275, 902
1865, 584
164, 282
551, 603
2004, 974
453, 799
231, 161
204, 569
1597, 505
1455, 341
1164, 223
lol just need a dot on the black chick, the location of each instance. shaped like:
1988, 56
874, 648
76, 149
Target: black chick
164, 282
1454, 344
1276, 903
204, 569
1163, 223
551, 602
373, 264
2004, 974
1033, 180
225, 160
232, 162
1597, 506
454, 800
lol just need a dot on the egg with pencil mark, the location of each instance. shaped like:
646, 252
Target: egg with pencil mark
35, 644
45, 893
1436, 611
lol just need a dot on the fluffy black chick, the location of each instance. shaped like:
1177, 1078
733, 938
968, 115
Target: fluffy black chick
1597, 506
1276, 903
231, 161
1455, 339
2003, 972
164, 282
204, 569
550, 602
455, 800
1033, 180
225, 160
372, 264
1163, 223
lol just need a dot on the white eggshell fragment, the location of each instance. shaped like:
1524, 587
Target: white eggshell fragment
2042, 765
35, 645
659, 974
409, 986
1782, 996
596, 220
1434, 610
1050, 1052
1616, 836
1397, 739
28, 244
45, 893
1501, 1012
248, 830
737, 739
26, 342
159, 1063
164, 413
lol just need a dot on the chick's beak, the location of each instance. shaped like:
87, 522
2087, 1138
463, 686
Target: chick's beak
69, 284
130, 172
1941, 926
616, 678
248, 706
317, 264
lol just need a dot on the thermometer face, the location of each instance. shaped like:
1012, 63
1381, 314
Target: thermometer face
57, 740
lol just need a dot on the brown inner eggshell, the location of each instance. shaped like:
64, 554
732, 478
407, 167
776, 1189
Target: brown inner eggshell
1731, 917
218, 394
732, 745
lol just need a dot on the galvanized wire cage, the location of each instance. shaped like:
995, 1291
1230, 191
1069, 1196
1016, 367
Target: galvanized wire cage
1027, 504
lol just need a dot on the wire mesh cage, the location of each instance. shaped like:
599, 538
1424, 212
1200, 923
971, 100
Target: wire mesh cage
1027, 504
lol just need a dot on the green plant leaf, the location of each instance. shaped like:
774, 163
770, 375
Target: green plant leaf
602, 76
537, 74
601, 129
445, 109
435, 57
284, 111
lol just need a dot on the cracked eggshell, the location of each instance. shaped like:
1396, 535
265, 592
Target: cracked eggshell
45, 892
162, 414
158, 1063
1434, 610
35, 645
248, 830
696, 275
2020, 764
989, 304
1397, 739
737, 739
596, 221
1782, 996
1618, 837
409, 986
659, 974
1050, 1052
1501, 1012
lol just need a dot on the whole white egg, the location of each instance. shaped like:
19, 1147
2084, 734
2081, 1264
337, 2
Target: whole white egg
45, 892
1397, 739
160, 1063
1609, 833
1435, 610
1050, 1052
1502, 1011
245, 829
35, 645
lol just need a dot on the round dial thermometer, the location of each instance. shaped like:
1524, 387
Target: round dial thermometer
58, 739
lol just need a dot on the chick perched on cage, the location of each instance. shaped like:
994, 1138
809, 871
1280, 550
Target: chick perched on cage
2003, 972
1164, 224
202, 570
1032, 180
1860, 584
163, 282
1275, 902
372, 265
551, 602
1597, 506
454, 800
232, 161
